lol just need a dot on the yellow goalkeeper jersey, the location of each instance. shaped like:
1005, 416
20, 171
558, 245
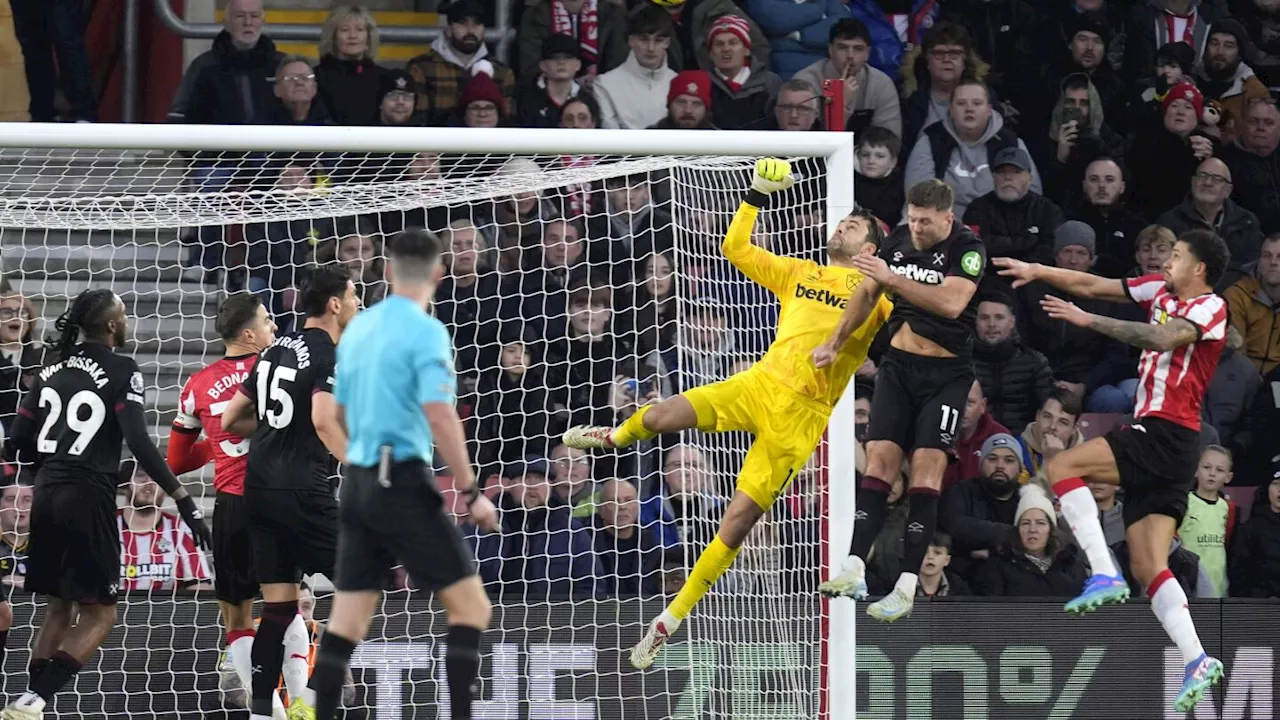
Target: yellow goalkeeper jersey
813, 297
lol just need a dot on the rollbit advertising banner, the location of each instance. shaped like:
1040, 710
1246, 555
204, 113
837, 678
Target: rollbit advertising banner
951, 660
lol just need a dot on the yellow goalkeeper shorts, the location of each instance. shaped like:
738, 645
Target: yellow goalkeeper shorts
787, 428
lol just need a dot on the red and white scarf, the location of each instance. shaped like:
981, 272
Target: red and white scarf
577, 198
583, 27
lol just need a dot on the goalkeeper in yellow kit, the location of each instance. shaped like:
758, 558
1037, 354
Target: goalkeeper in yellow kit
784, 400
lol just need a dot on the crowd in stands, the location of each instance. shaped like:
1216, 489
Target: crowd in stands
1082, 133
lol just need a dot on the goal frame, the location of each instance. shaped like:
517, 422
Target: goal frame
837, 694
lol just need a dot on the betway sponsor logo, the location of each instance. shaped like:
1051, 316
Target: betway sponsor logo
928, 276
825, 297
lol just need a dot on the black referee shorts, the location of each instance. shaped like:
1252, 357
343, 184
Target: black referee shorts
233, 581
292, 533
1156, 460
74, 546
405, 522
919, 400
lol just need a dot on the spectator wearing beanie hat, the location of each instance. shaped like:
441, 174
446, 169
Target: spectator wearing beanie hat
1037, 561
396, 97
482, 103
1076, 352
978, 512
1174, 62
692, 20
688, 102
542, 97
1164, 156
1061, 23
742, 96
1087, 53
1223, 75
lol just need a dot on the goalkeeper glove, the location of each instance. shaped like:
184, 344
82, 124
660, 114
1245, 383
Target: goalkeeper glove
772, 175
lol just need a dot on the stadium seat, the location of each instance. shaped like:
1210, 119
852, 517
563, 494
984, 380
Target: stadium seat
1243, 498
1096, 424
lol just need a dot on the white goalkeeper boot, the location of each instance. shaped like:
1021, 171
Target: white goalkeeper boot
28, 707
655, 638
589, 437
850, 583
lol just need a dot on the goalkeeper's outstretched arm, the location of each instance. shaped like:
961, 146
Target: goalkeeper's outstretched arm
760, 265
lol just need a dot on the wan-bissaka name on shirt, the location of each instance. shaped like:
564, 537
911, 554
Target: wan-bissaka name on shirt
823, 296
79, 363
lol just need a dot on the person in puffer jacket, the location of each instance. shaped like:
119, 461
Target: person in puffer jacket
1255, 555
1038, 561
1015, 378
797, 29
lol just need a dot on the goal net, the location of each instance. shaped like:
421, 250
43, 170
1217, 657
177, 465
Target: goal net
582, 279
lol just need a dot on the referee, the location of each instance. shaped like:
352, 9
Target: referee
395, 392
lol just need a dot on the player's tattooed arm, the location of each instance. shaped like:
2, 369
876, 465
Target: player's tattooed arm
1173, 334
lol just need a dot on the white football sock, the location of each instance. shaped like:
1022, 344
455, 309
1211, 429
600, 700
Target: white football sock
297, 647
907, 584
240, 652
1081, 512
1169, 603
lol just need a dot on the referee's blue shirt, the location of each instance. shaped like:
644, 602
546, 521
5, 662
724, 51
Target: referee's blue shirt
392, 359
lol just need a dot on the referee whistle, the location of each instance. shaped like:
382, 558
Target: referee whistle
385, 454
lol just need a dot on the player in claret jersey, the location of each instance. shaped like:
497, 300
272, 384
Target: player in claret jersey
246, 330
71, 426
1155, 458
287, 409
931, 265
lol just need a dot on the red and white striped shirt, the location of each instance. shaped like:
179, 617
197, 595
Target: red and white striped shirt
1171, 384
159, 559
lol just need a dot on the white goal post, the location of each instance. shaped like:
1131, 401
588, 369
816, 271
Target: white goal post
104, 205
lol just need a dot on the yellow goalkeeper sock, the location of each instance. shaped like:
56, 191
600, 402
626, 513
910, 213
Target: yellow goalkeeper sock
633, 429
710, 566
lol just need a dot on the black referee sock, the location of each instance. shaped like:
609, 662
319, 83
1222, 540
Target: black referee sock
267, 655
872, 499
62, 667
922, 522
35, 669
461, 665
330, 673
